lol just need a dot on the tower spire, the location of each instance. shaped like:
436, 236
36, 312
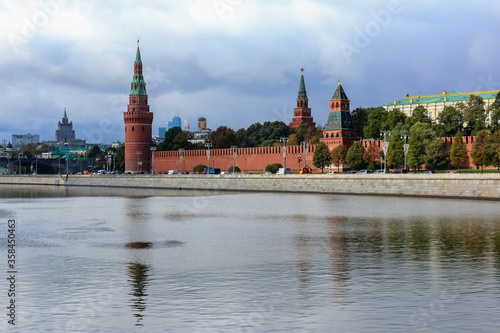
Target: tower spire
138, 85
302, 87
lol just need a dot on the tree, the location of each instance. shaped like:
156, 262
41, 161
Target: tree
292, 140
371, 156
450, 122
495, 114
273, 168
475, 115
355, 156
339, 155
120, 159
322, 157
236, 170
419, 115
199, 168
436, 154
458, 151
359, 118
420, 135
376, 119
481, 150
495, 148
94, 152
394, 118
223, 137
395, 152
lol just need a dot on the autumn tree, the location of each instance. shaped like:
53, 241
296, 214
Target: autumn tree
223, 137
458, 151
322, 157
339, 155
481, 151
371, 156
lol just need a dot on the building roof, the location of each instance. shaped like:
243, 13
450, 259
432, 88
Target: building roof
138, 85
450, 96
302, 87
339, 93
339, 120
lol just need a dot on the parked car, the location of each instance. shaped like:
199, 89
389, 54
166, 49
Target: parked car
363, 172
428, 171
173, 172
284, 171
398, 171
331, 172
380, 171
451, 171
351, 172
267, 173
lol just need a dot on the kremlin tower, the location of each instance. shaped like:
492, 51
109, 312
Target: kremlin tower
138, 120
302, 113
339, 128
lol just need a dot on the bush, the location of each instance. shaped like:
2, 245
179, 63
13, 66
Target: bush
273, 168
236, 169
199, 168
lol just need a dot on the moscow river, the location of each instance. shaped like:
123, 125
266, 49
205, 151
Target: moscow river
129, 260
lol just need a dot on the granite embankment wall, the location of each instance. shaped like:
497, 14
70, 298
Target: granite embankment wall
466, 186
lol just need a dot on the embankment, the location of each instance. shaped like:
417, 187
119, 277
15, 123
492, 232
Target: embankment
466, 186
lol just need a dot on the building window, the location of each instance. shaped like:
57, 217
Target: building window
143, 128
132, 128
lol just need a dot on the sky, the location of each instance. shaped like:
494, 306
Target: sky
235, 62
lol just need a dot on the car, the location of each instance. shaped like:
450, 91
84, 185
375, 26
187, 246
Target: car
428, 172
331, 172
284, 171
380, 171
363, 172
351, 172
398, 171
173, 172
267, 173
451, 171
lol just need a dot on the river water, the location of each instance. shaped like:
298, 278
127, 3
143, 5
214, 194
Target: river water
125, 260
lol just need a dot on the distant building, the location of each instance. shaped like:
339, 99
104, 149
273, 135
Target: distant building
302, 113
202, 123
161, 132
436, 103
64, 131
202, 134
186, 125
176, 122
23, 139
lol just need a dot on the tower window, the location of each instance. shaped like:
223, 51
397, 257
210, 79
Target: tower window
132, 128
143, 128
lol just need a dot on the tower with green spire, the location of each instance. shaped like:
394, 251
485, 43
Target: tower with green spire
138, 123
302, 113
339, 128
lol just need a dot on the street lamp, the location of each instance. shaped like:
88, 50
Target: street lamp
305, 144
385, 146
234, 157
406, 146
181, 152
208, 145
138, 156
153, 149
284, 141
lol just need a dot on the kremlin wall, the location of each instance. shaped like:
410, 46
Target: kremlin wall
338, 130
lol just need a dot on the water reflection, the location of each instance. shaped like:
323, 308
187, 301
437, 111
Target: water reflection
139, 280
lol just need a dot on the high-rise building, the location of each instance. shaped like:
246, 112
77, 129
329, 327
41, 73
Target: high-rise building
23, 139
302, 113
138, 120
161, 132
175, 122
65, 131
202, 124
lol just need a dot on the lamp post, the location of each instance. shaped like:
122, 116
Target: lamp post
305, 144
36, 164
138, 156
385, 146
208, 145
234, 157
181, 152
406, 146
153, 149
284, 140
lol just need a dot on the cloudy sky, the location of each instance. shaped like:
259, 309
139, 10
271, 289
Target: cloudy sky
236, 62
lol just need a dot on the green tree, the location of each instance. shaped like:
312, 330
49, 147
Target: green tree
322, 157
450, 122
495, 114
273, 168
420, 135
359, 118
371, 156
94, 152
120, 159
376, 119
458, 151
355, 156
167, 143
419, 115
199, 168
436, 154
394, 117
395, 151
339, 155
481, 151
475, 115
495, 148
236, 169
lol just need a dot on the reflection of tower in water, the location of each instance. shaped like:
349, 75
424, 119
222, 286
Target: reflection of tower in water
139, 280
